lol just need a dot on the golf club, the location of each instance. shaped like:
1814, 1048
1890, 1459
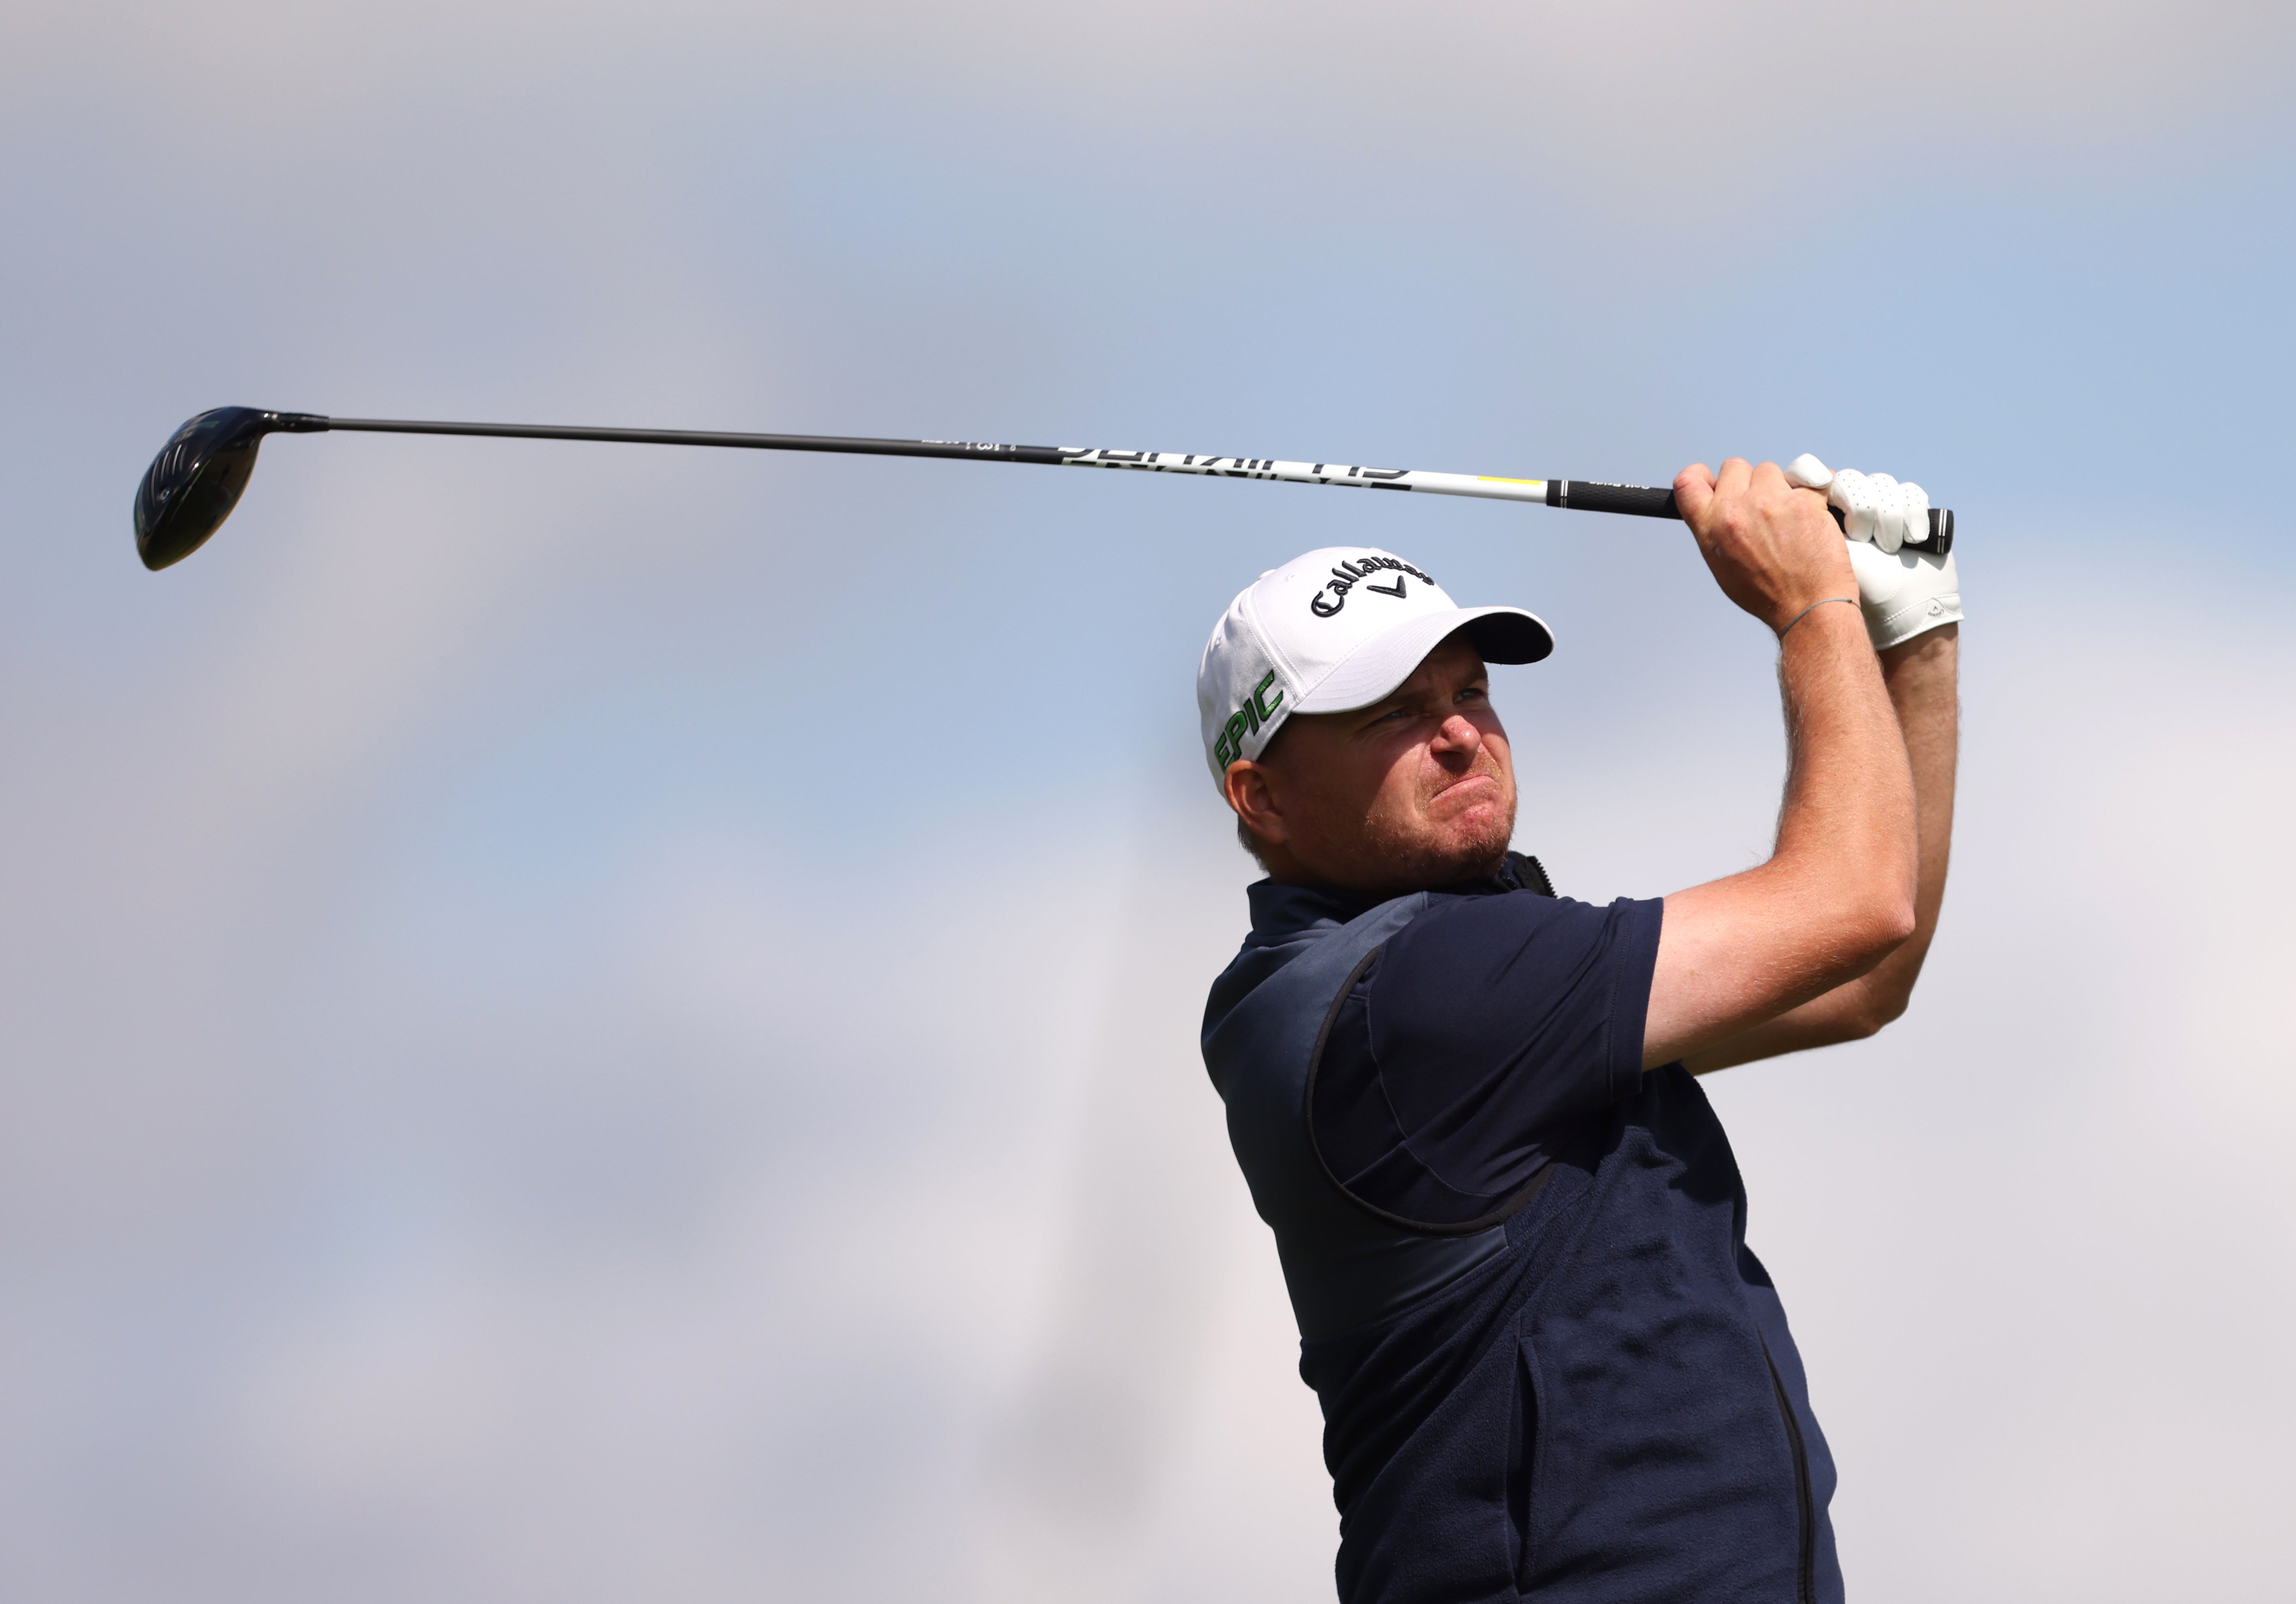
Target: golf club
196, 480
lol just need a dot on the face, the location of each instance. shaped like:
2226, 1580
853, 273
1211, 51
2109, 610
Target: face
1415, 791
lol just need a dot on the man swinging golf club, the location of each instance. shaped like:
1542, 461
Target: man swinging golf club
1511, 1227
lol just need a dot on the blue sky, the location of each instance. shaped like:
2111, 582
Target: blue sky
585, 1020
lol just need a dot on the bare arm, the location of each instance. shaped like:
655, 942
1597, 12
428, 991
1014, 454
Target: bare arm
1837, 898
1921, 679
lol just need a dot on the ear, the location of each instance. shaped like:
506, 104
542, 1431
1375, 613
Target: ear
1253, 797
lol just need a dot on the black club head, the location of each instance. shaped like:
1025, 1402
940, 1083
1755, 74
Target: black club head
192, 486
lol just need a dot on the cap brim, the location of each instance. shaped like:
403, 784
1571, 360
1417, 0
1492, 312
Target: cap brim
1502, 635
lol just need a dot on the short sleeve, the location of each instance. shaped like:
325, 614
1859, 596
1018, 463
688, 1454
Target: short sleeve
1482, 1027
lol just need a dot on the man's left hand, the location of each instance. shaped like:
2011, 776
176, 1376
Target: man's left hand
1901, 592
1903, 595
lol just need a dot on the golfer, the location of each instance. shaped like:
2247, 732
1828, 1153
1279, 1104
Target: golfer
1512, 1229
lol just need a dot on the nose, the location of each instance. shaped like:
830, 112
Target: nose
1457, 733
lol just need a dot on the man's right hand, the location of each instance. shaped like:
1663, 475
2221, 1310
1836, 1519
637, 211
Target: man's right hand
1771, 546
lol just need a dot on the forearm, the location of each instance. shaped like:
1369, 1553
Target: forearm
1838, 894
1849, 801
1923, 680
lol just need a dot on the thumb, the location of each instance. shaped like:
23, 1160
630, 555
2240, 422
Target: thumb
1808, 473
1693, 492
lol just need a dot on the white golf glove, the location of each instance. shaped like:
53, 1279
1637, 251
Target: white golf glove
1902, 593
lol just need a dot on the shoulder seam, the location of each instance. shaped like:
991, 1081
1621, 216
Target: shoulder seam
1474, 1227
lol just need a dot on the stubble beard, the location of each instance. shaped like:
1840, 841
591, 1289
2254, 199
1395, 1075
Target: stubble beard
1446, 853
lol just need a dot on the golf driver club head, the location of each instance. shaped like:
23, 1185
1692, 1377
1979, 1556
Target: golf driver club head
195, 482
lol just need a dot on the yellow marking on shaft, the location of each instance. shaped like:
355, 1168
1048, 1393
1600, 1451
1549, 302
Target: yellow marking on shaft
1493, 478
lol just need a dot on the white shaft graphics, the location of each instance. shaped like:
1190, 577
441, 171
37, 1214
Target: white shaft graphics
1311, 473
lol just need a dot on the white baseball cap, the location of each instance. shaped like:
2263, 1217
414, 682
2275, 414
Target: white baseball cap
1336, 629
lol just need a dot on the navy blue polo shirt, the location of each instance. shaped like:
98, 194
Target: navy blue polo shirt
1482, 1028
1550, 1367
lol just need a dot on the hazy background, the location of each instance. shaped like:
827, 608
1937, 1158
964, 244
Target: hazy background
589, 1023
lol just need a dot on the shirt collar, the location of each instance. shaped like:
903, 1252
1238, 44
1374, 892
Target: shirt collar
1279, 911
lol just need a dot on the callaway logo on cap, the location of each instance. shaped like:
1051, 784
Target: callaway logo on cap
1336, 629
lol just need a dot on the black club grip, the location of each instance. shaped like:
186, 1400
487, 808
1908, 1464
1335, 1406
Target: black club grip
1586, 497
1940, 541
1646, 501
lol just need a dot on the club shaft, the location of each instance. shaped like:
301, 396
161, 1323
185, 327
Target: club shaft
1150, 461
1639, 500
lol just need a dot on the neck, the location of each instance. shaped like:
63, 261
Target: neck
1376, 875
